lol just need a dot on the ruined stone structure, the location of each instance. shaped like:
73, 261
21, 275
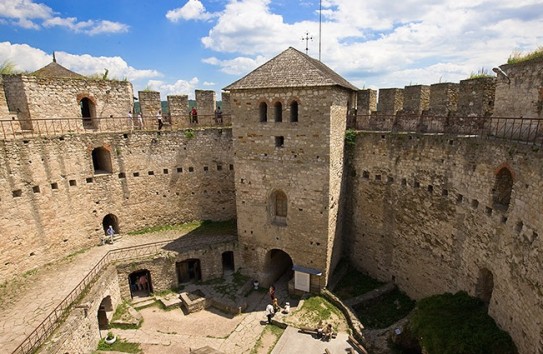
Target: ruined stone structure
434, 193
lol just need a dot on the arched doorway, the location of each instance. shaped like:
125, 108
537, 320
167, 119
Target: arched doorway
111, 219
503, 186
276, 264
101, 161
228, 262
88, 112
140, 283
104, 312
188, 270
485, 285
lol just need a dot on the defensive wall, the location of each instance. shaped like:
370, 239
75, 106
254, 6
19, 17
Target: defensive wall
425, 215
59, 192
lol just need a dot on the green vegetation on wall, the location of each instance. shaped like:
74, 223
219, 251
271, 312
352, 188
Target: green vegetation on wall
519, 57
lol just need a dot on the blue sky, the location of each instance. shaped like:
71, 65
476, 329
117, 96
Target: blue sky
176, 46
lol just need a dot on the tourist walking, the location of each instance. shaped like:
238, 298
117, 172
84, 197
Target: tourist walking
194, 115
269, 312
218, 115
159, 120
110, 232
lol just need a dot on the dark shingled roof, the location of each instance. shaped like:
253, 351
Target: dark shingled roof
291, 68
54, 70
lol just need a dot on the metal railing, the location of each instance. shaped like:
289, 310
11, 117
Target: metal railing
529, 130
40, 334
26, 128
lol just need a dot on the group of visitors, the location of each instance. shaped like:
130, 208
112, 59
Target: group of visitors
193, 119
324, 331
272, 307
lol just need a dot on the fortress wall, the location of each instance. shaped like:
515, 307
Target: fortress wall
15, 91
79, 333
149, 105
366, 101
179, 109
519, 93
59, 98
205, 104
391, 101
423, 217
4, 110
53, 204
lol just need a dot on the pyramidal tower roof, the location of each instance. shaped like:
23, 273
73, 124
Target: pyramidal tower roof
55, 70
291, 68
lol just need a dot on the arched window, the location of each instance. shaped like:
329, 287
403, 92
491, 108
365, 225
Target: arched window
485, 285
279, 208
294, 111
101, 161
263, 111
278, 112
502, 189
88, 112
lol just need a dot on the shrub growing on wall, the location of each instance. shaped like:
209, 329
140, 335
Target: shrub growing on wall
458, 324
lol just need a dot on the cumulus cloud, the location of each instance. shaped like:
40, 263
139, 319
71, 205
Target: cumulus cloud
180, 87
390, 43
30, 15
236, 66
192, 10
207, 83
27, 58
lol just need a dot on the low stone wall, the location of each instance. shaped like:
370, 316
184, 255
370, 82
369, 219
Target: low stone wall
353, 321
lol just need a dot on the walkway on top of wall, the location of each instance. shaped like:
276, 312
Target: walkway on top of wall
27, 301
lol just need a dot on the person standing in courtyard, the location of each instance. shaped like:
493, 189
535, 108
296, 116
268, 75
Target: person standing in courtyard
269, 312
218, 115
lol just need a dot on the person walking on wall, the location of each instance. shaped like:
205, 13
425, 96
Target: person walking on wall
269, 312
110, 232
130, 121
194, 115
159, 120
140, 121
218, 115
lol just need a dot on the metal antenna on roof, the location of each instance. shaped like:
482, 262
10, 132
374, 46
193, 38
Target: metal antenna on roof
320, 26
306, 39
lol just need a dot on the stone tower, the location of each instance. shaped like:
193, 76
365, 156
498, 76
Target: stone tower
288, 125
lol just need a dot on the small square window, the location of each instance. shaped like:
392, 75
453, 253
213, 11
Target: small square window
90, 180
219, 167
122, 175
191, 169
459, 198
206, 168
165, 171
231, 167
17, 193
151, 173
54, 185
279, 141
72, 183
444, 192
430, 189
365, 174
179, 169
404, 182
136, 174
36, 189
417, 184
474, 203
377, 177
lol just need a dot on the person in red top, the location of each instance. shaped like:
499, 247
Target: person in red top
194, 115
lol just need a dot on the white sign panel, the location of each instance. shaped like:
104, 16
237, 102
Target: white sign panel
301, 281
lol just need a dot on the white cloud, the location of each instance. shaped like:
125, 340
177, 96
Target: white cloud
236, 66
207, 83
389, 43
180, 87
27, 58
30, 15
192, 10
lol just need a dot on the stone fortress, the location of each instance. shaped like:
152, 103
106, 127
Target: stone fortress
436, 188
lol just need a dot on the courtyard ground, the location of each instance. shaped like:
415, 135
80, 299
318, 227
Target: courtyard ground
29, 298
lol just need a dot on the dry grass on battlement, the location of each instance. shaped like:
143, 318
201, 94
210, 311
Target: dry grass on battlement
519, 57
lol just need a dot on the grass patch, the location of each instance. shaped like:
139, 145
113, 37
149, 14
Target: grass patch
354, 284
519, 57
481, 73
197, 227
350, 136
314, 310
274, 331
458, 324
120, 345
227, 288
385, 310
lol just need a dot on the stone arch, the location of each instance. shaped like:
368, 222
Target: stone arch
503, 187
101, 161
279, 207
105, 311
88, 111
228, 264
188, 270
485, 285
278, 112
263, 112
111, 219
276, 263
140, 283
294, 111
